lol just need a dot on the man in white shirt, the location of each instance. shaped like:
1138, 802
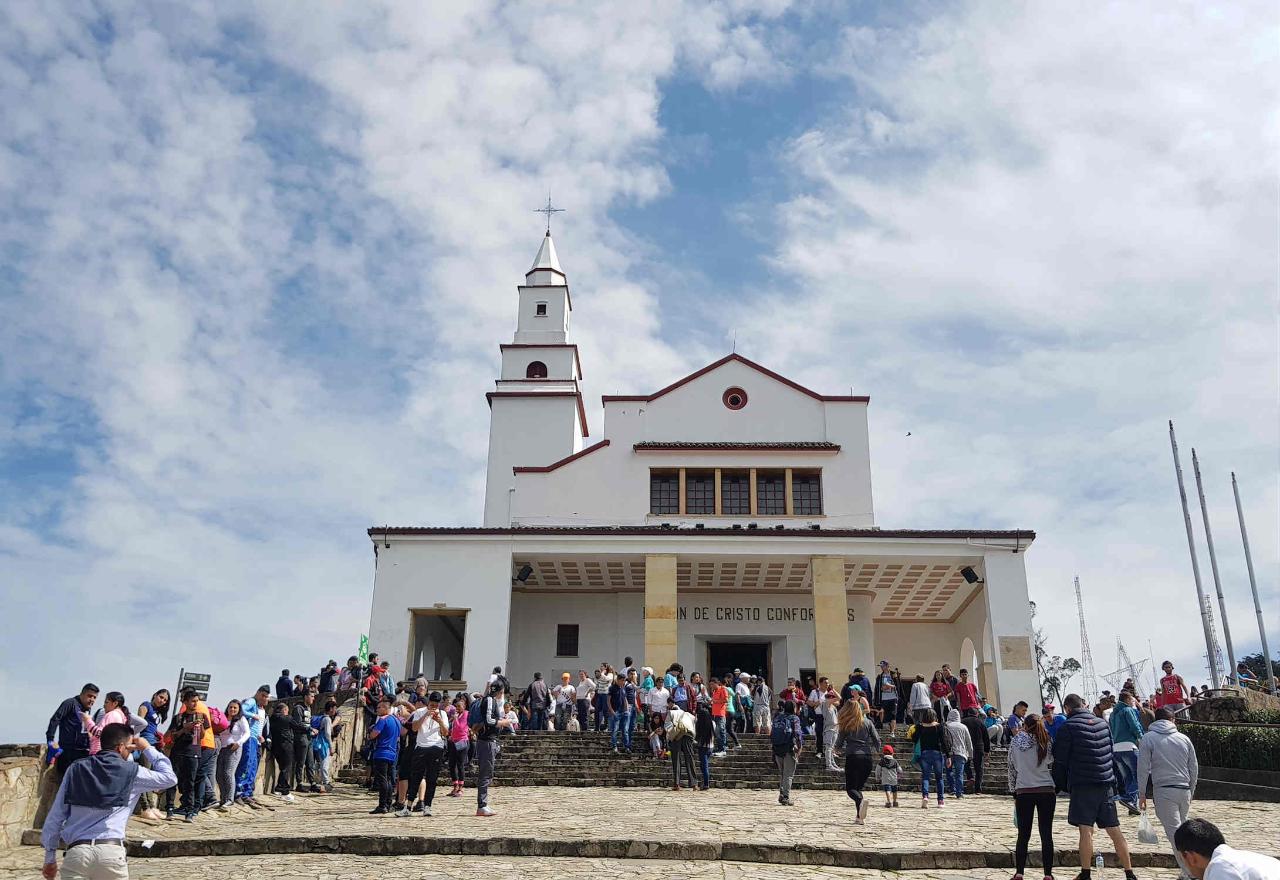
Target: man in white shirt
586, 690
566, 696
657, 703
1206, 855
432, 727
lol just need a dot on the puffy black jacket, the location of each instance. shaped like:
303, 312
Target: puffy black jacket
1082, 751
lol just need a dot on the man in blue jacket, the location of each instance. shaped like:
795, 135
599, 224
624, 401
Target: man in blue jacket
1082, 758
70, 745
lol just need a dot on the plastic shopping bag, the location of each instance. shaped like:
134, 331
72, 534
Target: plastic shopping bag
1146, 830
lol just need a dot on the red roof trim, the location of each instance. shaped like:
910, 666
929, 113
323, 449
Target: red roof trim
582, 410
945, 534
826, 398
576, 359
681, 446
562, 462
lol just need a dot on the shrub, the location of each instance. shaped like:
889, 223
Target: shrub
1243, 748
1262, 716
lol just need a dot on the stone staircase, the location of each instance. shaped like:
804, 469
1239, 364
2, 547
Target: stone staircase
585, 759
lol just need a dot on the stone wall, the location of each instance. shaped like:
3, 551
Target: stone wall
19, 783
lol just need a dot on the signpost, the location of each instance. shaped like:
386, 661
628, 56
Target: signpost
197, 680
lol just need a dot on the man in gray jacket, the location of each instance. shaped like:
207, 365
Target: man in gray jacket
1167, 759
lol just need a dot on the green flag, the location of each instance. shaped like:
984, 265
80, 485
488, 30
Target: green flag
363, 653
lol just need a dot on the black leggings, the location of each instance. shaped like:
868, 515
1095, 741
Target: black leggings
856, 770
457, 762
1024, 804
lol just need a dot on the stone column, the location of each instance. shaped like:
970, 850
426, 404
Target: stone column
862, 644
659, 611
830, 617
1009, 613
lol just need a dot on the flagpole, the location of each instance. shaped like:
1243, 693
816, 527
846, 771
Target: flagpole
1195, 564
1213, 566
1253, 583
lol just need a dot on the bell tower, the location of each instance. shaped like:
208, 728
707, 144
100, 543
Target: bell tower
536, 412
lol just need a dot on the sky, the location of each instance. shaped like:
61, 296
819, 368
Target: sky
256, 261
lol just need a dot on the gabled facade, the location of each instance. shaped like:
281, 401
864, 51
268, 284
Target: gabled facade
724, 521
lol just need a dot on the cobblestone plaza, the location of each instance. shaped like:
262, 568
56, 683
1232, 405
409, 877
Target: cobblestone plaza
641, 833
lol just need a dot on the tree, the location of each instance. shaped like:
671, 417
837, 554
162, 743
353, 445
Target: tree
1254, 664
1054, 671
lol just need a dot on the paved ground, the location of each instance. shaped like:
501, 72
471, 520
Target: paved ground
659, 834
325, 867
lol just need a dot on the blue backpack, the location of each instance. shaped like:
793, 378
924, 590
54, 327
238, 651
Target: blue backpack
783, 734
475, 715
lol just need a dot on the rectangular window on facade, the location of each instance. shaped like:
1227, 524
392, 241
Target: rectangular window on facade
771, 493
540, 310
699, 492
664, 492
806, 494
735, 493
566, 640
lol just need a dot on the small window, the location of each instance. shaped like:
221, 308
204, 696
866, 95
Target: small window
540, 310
806, 494
700, 492
735, 494
566, 640
536, 370
735, 398
771, 493
664, 492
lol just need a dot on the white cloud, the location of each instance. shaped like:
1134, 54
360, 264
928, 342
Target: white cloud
1041, 236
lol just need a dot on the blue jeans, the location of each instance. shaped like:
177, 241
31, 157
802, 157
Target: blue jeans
957, 775
537, 719
1128, 764
932, 764
720, 734
620, 725
602, 712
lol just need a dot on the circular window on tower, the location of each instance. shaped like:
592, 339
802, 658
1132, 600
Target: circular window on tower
735, 398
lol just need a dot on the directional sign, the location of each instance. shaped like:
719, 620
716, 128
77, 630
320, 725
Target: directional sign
197, 680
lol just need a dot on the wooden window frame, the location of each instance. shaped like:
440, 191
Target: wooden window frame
753, 489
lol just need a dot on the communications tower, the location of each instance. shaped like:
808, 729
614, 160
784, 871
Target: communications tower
1086, 653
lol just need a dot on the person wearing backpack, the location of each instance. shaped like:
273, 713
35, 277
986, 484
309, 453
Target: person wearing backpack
487, 720
787, 738
681, 730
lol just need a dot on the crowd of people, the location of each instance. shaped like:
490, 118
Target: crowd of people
189, 757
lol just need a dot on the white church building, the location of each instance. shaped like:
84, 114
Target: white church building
724, 521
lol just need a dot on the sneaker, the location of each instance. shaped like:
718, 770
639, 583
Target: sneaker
189, 818
417, 807
403, 813
426, 811
397, 806
288, 798
786, 802
223, 807
485, 811
168, 814
379, 811
315, 789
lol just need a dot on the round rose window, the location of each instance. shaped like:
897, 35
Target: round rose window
735, 398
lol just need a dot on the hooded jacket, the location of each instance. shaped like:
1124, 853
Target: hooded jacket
1167, 758
961, 742
1026, 770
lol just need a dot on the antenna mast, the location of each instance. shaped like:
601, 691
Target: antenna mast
1086, 653
1206, 621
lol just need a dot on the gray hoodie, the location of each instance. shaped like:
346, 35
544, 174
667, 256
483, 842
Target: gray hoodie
961, 742
1026, 770
1167, 758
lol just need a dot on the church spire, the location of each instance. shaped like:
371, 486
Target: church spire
546, 265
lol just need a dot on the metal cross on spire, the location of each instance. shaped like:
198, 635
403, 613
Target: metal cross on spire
548, 210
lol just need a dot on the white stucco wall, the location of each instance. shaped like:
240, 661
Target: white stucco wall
552, 327
472, 576
526, 432
610, 486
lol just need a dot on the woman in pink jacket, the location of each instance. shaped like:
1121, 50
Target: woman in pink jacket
115, 711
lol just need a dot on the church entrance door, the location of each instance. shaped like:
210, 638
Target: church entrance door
750, 657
